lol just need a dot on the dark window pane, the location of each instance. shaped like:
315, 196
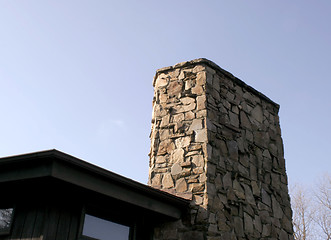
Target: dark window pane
104, 230
6, 216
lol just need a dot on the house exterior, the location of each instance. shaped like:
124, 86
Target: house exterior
52, 195
217, 172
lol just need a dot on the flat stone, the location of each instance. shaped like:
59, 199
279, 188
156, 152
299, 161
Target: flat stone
216, 205
212, 218
197, 187
265, 217
198, 90
244, 120
223, 226
211, 189
188, 84
239, 191
156, 181
227, 180
201, 135
256, 189
283, 235
261, 138
209, 75
178, 118
277, 210
235, 109
244, 160
165, 146
221, 162
195, 147
196, 125
165, 134
234, 120
266, 230
273, 149
249, 135
198, 68
286, 223
181, 185
158, 112
187, 100
243, 171
257, 223
186, 164
176, 169
265, 197
201, 78
230, 96
183, 142
198, 160
266, 154
185, 173
203, 178
211, 126
217, 83
249, 195
189, 107
163, 98
211, 169
275, 180
165, 121
167, 181
181, 75
189, 115
257, 113
248, 223
218, 182
223, 147
162, 81
201, 102
201, 113
191, 153
197, 199
238, 226
160, 159
233, 149
178, 155
174, 88
192, 180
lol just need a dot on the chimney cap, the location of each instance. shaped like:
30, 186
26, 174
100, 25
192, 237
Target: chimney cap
217, 69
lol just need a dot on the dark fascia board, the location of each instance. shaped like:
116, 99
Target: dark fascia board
59, 165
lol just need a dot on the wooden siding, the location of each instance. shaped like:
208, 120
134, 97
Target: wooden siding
44, 223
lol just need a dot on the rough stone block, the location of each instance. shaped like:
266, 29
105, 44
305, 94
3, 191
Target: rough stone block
167, 181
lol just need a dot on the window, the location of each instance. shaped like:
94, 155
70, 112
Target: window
101, 229
6, 219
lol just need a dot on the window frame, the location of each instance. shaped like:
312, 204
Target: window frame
105, 216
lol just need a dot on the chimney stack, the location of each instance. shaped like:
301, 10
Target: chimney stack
217, 141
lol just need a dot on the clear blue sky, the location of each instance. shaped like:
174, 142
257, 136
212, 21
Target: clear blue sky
77, 75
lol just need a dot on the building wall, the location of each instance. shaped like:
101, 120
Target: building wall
41, 222
217, 141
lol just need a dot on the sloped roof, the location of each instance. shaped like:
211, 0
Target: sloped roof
61, 166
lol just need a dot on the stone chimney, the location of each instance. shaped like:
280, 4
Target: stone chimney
217, 141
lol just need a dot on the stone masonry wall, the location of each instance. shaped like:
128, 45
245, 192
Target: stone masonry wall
217, 141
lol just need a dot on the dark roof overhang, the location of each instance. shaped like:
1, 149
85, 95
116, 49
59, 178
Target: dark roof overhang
60, 166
